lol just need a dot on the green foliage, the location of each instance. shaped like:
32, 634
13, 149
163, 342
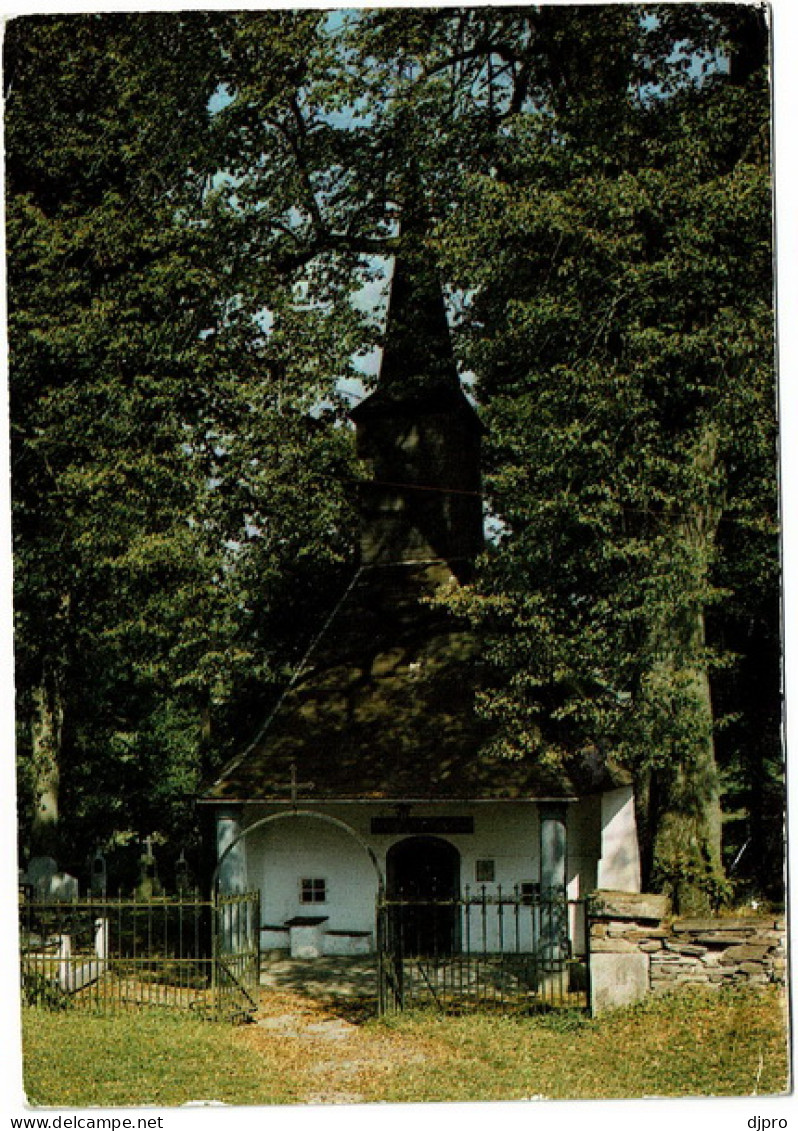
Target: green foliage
195, 201
176, 503
685, 871
619, 323
42, 992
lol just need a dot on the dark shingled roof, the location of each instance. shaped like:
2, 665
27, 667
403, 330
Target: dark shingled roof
383, 709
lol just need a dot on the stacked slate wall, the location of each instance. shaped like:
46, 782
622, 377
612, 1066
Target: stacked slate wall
635, 948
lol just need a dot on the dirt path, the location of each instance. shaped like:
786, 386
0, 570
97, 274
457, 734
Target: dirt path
327, 1046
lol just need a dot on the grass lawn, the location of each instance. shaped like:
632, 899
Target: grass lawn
143, 1059
724, 1043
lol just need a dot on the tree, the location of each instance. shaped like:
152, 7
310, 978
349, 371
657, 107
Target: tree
596, 185
84, 201
600, 182
162, 448
620, 326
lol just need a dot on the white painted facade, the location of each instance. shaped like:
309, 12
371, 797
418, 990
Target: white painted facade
289, 848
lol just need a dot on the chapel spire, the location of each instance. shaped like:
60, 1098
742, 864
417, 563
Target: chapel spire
417, 431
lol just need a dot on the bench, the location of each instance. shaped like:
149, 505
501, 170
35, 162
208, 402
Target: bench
347, 942
274, 936
305, 936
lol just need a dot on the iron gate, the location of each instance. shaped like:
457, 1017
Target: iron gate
236, 965
503, 950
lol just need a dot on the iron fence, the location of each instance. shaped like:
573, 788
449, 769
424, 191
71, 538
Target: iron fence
107, 955
496, 949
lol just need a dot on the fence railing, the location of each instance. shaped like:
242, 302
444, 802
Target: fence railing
485, 949
112, 954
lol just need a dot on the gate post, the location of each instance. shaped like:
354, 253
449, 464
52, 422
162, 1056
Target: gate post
65, 973
390, 968
230, 852
554, 909
618, 973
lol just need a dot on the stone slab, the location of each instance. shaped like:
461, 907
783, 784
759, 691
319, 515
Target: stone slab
685, 948
627, 905
711, 958
617, 980
306, 938
612, 946
720, 939
748, 952
709, 924
347, 943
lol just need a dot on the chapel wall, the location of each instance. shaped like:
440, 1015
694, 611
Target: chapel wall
285, 851
509, 835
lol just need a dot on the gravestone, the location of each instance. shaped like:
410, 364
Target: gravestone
148, 886
101, 938
47, 883
40, 871
183, 879
65, 974
99, 875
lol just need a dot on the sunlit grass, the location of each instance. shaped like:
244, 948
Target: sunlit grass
75, 1060
694, 1044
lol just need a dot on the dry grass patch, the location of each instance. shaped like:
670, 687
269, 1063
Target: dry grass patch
710, 1043
332, 1055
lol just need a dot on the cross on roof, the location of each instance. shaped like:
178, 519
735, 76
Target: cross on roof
297, 785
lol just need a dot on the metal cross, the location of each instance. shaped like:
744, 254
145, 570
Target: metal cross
297, 785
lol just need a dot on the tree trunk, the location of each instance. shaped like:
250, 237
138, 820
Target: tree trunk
684, 803
683, 794
46, 732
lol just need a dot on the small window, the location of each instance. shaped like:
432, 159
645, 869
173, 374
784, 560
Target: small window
530, 893
485, 871
313, 891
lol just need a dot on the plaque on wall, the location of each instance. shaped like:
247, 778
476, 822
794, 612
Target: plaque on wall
390, 826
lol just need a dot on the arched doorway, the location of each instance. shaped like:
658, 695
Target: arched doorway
234, 840
423, 878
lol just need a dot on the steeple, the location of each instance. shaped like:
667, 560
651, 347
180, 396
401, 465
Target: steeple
418, 433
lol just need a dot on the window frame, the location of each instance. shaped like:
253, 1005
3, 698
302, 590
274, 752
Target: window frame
312, 890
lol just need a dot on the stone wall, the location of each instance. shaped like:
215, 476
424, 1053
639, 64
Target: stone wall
635, 948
